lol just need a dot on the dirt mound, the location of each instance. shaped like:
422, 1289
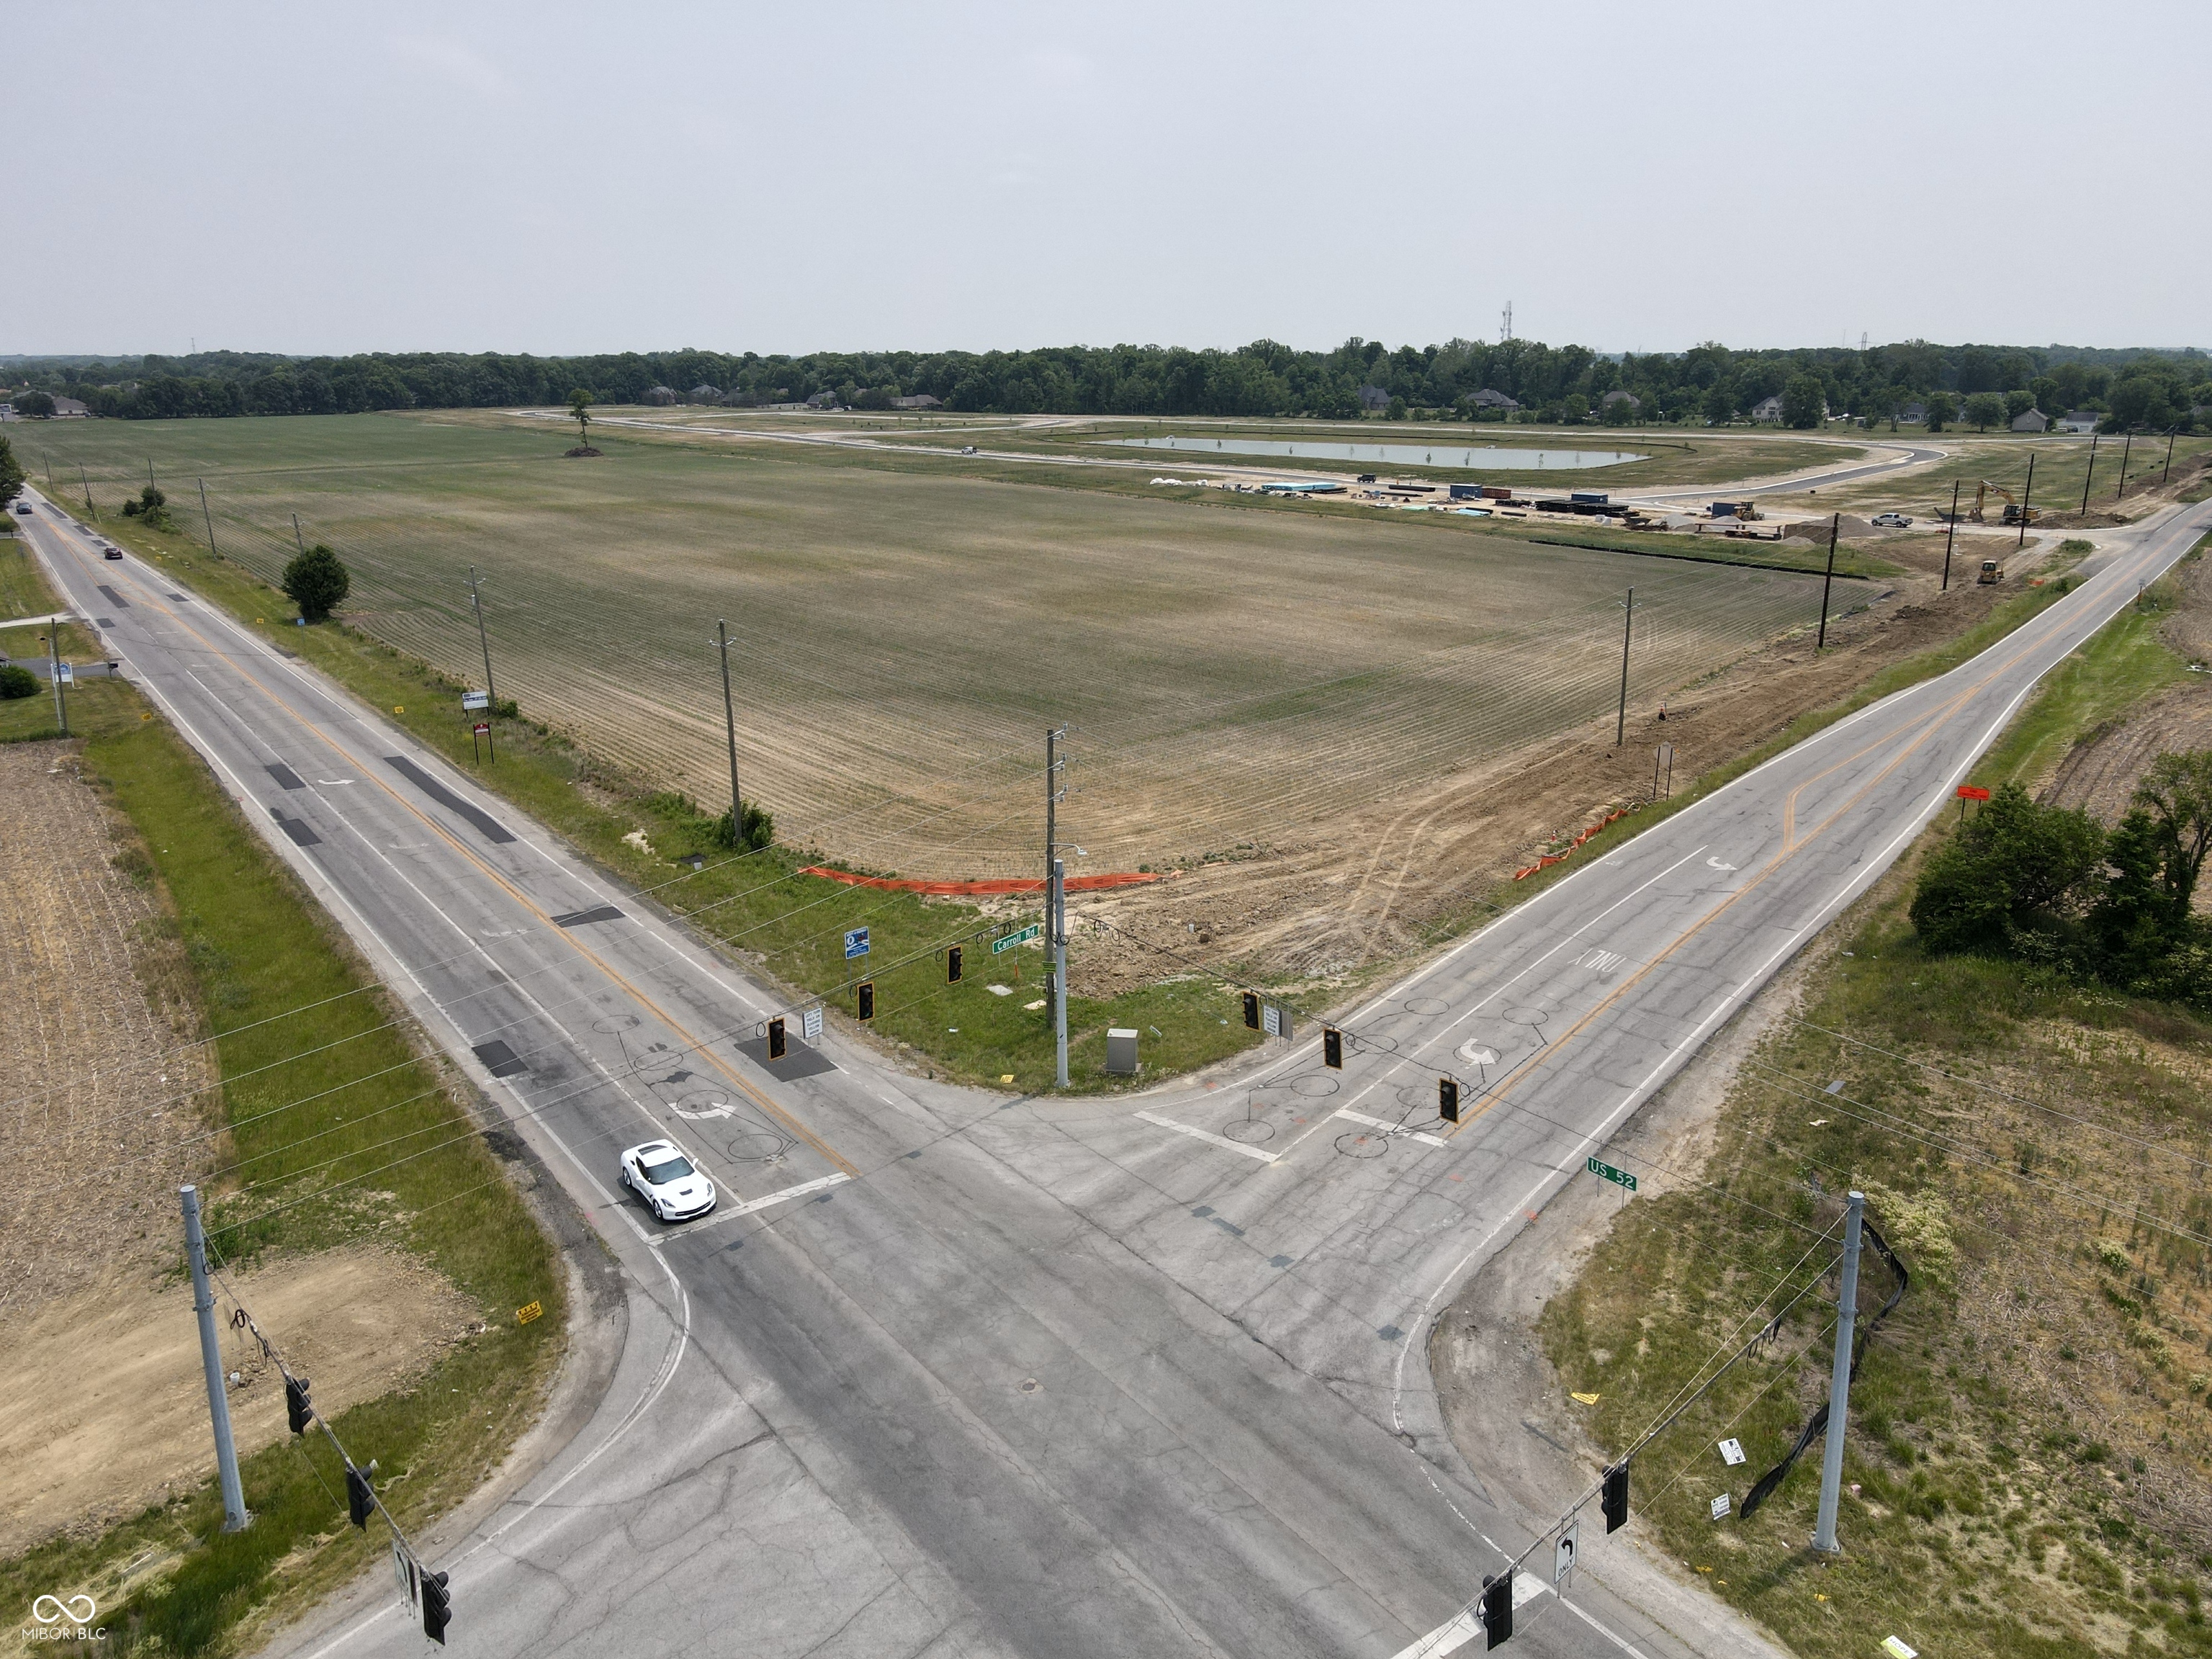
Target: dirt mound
581, 449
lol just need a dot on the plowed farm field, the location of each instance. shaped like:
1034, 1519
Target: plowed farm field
902, 637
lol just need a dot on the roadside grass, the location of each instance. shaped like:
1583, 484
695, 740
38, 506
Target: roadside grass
24, 592
2030, 1432
328, 1126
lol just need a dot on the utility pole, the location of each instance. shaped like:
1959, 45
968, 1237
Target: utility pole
2026, 495
235, 1517
729, 719
1951, 537
87, 483
54, 673
209, 516
2126, 444
484, 639
298, 540
1052, 734
1627, 621
1840, 1381
1828, 581
1059, 969
2168, 473
2090, 474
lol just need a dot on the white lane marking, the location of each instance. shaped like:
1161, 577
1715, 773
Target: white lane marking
1387, 1128
1463, 1626
1717, 864
752, 1204
1208, 1135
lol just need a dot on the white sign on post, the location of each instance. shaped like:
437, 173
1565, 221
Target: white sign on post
1564, 1553
810, 1025
1270, 1019
472, 700
68, 674
402, 1568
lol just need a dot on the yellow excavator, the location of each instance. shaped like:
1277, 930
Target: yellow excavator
2013, 511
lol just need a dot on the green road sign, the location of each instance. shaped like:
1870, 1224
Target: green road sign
1012, 940
1606, 1172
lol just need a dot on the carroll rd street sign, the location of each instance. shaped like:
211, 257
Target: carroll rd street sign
856, 943
1606, 1172
1012, 940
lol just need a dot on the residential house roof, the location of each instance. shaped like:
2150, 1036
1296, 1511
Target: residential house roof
2031, 420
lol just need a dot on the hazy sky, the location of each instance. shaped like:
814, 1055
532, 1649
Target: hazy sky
548, 177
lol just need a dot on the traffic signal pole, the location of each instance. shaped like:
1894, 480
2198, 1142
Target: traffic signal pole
1839, 1380
235, 1517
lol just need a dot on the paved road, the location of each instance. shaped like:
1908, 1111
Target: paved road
956, 1373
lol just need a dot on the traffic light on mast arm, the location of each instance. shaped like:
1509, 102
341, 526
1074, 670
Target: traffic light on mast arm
437, 1606
1332, 1047
865, 992
360, 1498
1616, 1496
297, 1410
952, 965
776, 1042
1497, 1607
1448, 1099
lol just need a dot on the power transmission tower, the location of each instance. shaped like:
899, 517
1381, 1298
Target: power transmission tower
235, 1517
1839, 1380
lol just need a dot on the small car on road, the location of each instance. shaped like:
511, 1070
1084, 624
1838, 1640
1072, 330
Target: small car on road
23, 509
1892, 521
671, 1185
111, 552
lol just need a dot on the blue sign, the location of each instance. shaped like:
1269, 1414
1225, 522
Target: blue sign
856, 943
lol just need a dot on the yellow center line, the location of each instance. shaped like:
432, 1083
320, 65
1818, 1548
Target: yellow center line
523, 899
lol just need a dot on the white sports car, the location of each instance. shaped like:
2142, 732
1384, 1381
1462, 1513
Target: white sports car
671, 1186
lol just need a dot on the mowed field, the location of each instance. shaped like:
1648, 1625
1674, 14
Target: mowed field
901, 638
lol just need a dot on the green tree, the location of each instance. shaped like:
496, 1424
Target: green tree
1942, 407
38, 405
317, 583
2015, 868
1718, 404
151, 505
1985, 410
579, 402
1396, 410
16, 681
11, 473
1804, 401
2175, 794
2018, 402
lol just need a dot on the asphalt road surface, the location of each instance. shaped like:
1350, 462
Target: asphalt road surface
951, 1372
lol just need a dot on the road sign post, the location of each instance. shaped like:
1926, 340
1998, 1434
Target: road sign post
856, 943
1022, 935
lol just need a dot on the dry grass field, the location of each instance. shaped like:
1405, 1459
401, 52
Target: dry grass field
903, 635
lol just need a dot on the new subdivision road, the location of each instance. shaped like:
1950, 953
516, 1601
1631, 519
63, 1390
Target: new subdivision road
952, 1372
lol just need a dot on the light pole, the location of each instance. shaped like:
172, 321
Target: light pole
1840, 1381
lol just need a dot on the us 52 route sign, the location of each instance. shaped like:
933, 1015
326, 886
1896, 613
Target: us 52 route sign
1606, 1172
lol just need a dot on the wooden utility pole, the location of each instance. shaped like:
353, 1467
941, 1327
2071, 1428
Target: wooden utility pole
1627, 622
1828, 581
2090, 474
2026, 495
1952, 536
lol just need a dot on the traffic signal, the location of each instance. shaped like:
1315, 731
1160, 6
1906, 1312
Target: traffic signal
865, 992
1497, 1607
952, 958
777, 1045
1332, 1047
437, 1608
1616, 1497
360, 1499
297, 1412
1448, 1099
1252, 1009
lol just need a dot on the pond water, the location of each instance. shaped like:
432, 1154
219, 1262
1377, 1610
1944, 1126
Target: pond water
1491, 459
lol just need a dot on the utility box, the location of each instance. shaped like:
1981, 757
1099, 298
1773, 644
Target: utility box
1120, 1053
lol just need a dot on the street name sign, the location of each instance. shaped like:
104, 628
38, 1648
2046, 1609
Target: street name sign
1606, 1172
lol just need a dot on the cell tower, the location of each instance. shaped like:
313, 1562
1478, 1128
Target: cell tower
1505, 323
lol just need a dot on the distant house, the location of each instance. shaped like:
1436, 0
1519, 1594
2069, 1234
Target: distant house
920, 400
1374, 397
1913, 414
1617, 397
822, 400
1767, 411
661, 394
704, 394
1490, 397
2031, 420
64, 407
2079, 421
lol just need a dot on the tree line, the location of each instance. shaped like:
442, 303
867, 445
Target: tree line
1710, 384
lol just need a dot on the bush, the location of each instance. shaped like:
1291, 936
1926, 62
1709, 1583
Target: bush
760, 831
317, 583
16, 682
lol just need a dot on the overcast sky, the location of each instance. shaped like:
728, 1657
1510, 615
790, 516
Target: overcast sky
555, 178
